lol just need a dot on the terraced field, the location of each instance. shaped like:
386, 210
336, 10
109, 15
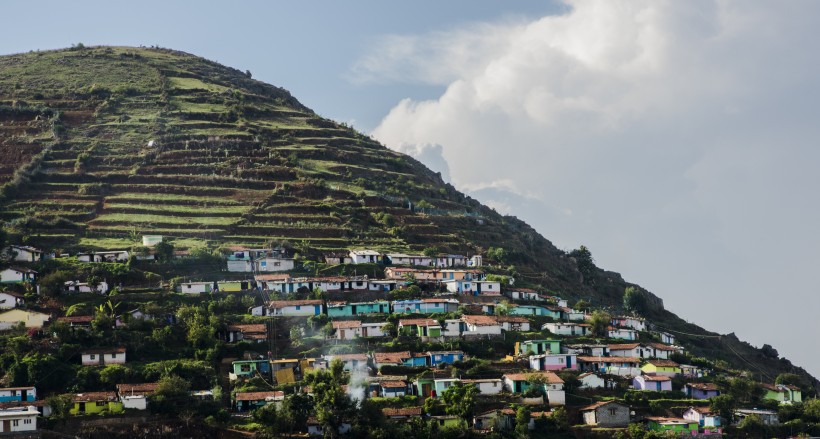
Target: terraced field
109, 143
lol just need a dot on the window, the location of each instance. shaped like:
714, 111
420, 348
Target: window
245, 368
612, 412
277, 264
26, 421
93, 357
100, 403
114, 355
16, 422
298, 307
264, 264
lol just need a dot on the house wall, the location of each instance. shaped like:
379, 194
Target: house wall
137, 402
18, 420
373, 329
489, 388
7, 301
274, 264
93, 407
610, 415
300, 310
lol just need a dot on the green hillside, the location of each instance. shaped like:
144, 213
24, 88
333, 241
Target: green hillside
101, 145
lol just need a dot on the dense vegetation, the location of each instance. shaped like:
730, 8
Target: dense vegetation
102, 145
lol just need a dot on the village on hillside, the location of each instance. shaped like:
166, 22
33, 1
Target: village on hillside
363, 342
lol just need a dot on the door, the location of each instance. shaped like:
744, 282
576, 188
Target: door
24, 395
354, 309
82, 407
426, 390
6, 426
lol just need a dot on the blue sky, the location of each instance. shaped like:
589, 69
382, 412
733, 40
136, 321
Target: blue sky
677, 140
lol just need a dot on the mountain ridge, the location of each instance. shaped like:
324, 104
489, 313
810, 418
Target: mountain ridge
109, 142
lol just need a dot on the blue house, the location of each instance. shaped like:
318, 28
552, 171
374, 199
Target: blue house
434, 358
18, 394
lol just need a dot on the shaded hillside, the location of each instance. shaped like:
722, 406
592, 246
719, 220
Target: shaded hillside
101, 145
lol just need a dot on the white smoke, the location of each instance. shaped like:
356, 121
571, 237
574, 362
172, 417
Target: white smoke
357, 386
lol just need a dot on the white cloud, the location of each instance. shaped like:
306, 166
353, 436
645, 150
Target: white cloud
681, 136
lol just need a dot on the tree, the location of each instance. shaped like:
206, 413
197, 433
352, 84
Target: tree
522, 422
295, 412
459, 400
634, 300
811, 410
600, 322
498, 255
164, 251
60, 406
724, 405
585, 263
171, 396
333, 405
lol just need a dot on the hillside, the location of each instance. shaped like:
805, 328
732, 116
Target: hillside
104, 144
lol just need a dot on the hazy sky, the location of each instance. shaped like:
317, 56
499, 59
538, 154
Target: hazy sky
677, 140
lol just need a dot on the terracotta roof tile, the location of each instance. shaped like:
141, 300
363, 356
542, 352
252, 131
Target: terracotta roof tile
259, 396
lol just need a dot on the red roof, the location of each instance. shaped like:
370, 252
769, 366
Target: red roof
271, 277
76, 319
663, 363
403, 411
259, 396
136, 389
549, 376
251, 328
706, 387
347, 324
480, 320
593, 359
390, 357
418, 322
393, 384
95, 396
656, 378
623, 347
511, 319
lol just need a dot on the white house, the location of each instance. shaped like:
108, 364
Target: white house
514, 323
636, 323
135, 396
374, 329
304, 308
382, 285
365, 257
524, 294
487, 386
703, 416
94, 357
450, 261
480, 325
475, 261
560, 328
347, 329
18, 419
105, 256
451, 328
17, 274
666, 337
274, 264
392, 389
591, 380
75, 286
473, 287
641, 350
23, 253
10, 299
622, 333
550, 361
403, 259
195, 287
351, 361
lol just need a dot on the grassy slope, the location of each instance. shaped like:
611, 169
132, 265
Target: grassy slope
138, 141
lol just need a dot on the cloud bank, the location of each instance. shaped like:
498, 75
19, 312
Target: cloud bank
678, 140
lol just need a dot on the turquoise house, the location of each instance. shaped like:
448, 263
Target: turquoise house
534, 310
18, 394
344, 309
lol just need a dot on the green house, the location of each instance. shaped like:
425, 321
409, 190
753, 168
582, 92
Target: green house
420, 327
783, 393
674, 425
94, 403
534, 310
538, 346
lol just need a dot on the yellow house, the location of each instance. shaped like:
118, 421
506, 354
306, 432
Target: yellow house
10, 319
96, 403
661, 367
